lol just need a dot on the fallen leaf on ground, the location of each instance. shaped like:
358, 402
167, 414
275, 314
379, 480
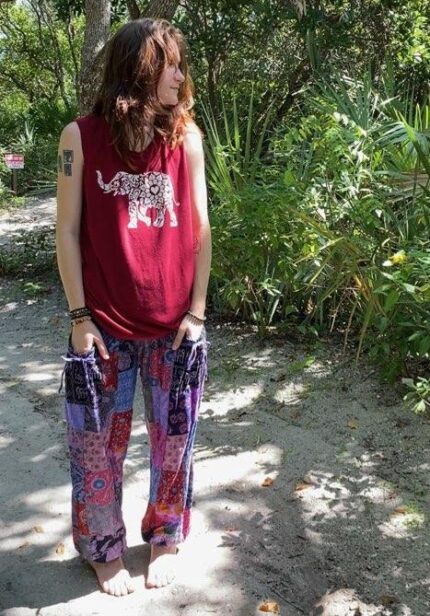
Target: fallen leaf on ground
303, 485
38, 529
24, 545
269, 606
353, 424
267, 482
60, 549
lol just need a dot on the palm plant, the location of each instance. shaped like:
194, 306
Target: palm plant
233, 149
394, 149
234, 152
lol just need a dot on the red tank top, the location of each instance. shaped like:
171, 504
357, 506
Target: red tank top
136, 235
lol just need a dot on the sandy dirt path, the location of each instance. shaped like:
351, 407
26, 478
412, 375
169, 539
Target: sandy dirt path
341, 531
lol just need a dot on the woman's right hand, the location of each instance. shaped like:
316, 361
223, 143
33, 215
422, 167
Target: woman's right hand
84, 336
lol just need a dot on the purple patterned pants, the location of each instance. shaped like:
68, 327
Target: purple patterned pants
99, 407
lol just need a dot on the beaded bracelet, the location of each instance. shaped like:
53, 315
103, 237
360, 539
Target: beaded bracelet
199, 320
80, 312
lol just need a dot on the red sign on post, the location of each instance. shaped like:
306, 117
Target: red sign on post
14, 161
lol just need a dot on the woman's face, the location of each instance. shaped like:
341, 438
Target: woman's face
169, 82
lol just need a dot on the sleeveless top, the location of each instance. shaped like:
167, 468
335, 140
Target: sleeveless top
136, 235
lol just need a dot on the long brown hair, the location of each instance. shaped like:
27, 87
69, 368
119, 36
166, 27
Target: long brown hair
135, 58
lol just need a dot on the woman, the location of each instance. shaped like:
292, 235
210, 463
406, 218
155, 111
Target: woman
134, 251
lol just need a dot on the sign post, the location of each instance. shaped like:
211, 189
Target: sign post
14, 162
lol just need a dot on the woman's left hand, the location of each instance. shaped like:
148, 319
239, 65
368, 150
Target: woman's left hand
188, 329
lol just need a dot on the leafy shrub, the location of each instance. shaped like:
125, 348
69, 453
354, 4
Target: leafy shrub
334, 227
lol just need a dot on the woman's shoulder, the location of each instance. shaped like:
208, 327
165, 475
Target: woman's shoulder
70, 135
82, 123
193, 138
191, 128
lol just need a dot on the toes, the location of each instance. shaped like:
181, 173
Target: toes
118, 587
118, 583
161, 571
124, 587
160, 579
149, 582
129, 584
152, 581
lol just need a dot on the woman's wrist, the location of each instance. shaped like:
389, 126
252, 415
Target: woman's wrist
197, 320
198, 310
82, 311
80, 320
80, 315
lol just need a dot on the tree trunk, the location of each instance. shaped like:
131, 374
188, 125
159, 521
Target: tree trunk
161, 9
158, 9
133, 9
97, 14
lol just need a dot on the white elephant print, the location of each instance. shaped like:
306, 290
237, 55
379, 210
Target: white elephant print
144, 190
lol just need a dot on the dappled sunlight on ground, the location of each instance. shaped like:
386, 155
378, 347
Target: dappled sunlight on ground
311, 485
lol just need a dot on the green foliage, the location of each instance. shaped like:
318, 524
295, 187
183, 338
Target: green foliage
234, 155
31, 254
418, 396
4, 173
38, 75
248, 221
410, 44
334, 227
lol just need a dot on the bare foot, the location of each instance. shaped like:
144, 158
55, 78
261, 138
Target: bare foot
162, 566
113, 577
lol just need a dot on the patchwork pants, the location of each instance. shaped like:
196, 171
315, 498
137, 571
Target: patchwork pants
98, 408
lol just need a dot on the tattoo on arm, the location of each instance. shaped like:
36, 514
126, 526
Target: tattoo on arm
68, 160
68, 156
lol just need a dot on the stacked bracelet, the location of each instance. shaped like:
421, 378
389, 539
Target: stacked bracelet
195, 319
80, 315
77, 313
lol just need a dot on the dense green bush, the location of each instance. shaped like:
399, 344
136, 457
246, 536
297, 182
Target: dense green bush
333, 228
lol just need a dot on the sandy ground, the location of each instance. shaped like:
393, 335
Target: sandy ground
341, 531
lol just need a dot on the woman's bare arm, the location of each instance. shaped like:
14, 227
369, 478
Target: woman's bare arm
203, 242
69, 209
193, 146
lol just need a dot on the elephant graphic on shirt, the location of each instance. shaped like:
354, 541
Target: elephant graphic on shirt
152, 189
